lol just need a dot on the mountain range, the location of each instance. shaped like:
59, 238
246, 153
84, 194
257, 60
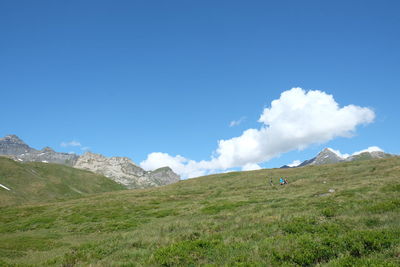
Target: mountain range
330, 156
120, 169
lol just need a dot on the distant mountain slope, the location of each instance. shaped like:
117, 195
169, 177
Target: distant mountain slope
369, 155
41, 182
13, 146
120, 169
124, 171
330, 156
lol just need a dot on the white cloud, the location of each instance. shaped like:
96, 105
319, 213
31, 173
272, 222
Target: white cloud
369, 149
251, 167
295, 163
71, 143
237, 122
85, 148
296, 120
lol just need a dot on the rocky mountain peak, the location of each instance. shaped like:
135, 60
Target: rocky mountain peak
12, 138
326, 156
47, 149
13, 145
164, 175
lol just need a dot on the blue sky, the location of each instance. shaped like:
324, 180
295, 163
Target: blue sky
128, 78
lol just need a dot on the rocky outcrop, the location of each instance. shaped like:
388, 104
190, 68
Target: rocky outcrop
125, 171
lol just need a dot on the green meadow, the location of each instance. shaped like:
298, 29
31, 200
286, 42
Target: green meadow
231, 219
36, 182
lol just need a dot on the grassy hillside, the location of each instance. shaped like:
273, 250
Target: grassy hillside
41, 182
221, 220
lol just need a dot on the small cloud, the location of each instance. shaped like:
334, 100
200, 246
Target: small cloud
295, 163
237, 122
71, 143
85, 148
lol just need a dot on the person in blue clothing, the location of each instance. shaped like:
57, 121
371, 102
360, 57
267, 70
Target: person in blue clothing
282, 181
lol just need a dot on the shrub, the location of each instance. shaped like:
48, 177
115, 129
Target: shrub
329, 212
305, 250
185, 253
214, 209
386, 206
350, 261
359, 243
300, 225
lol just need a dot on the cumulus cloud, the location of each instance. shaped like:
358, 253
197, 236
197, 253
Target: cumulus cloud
70, 144
296, 120
237, 122
369, 149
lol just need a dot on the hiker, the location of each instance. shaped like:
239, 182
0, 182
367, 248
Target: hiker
270, 182
286, 182
281, 181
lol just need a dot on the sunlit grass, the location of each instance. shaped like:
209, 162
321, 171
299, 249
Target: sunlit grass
227, 219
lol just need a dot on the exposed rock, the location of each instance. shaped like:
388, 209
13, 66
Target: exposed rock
125, 171
164, 175
12, 145
326, 156
48, 155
